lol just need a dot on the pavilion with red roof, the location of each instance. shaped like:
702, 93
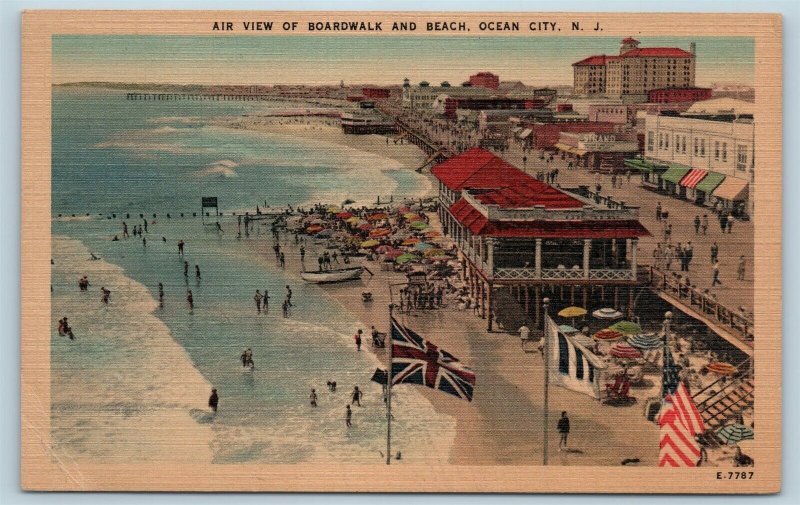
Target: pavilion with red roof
515, 231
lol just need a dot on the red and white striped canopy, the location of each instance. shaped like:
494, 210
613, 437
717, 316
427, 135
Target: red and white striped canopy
693, 178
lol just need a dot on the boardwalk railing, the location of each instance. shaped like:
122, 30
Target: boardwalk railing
735, 321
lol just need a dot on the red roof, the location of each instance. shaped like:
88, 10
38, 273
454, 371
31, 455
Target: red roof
477, 168
478, 224
595, 60
528, 194
661, 52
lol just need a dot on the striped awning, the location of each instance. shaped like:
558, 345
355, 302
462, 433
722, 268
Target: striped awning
675, 174
694, 176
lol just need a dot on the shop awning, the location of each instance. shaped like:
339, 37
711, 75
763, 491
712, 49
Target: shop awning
691, 179
710, 183
732, 189
525, 133
675, 174
645, 165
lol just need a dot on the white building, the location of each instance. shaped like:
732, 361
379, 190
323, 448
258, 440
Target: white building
425, 96
716, 137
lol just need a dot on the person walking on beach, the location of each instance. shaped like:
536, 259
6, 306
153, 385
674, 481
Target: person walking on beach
64, 328
348, 417
357, 394
741, 268
258, 299
283, 260
313, 398
180, 247
357, 338
145, 226
285, 309
106, 294
302, 254
213, 400
723, 221
190, 299
563, 430
186, 269
161, 295
288, 296
197, 272
247, 358
715, 274
265, 301
125, 230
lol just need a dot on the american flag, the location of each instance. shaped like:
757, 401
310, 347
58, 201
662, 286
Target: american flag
679, 420
417, 361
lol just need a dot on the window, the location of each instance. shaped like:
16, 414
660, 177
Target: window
661, 141
696, 147
741, 157
683, 146
677, 143
702, 147
650, 141
716, 150
725, 152
666, 141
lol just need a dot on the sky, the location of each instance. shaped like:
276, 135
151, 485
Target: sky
279, 59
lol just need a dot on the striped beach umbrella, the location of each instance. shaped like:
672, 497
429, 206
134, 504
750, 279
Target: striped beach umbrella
734, 433
607, 335
625, 350
721, 368
645, 342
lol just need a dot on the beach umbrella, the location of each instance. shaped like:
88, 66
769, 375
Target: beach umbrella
412, 216
380, 232
433, 234
572, 313
377, 216
419, 225
721, 368
411, 241
404, 209
625, 350
626, 327
734, 433
423, 246
344, 215
325, 234
369, 243
333, 209
607, 313
365, 227
645, 342
607, 335
393, 253
405, 258
352, 220
565, 328
314, 229
317, 221
433, 252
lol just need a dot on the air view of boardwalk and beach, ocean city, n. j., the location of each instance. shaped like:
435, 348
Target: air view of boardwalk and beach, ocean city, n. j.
428, 250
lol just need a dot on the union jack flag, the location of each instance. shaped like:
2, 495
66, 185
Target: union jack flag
417, 361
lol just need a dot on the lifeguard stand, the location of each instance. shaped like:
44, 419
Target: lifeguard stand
208, 202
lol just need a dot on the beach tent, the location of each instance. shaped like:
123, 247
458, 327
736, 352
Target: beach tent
573, 365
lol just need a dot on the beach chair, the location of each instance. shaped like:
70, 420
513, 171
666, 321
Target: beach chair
613, 389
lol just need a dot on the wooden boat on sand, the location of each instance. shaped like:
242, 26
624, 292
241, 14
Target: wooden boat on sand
339, 275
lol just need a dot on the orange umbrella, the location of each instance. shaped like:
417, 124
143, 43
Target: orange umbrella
721, 368
377, 217
314, 229
380, 232
411, 241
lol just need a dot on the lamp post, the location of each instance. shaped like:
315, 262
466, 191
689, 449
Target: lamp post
546, 423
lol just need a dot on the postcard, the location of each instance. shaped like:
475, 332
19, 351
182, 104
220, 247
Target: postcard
398, 251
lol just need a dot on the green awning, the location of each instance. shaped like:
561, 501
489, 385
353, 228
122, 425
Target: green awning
645, 165
675, 174
710, 182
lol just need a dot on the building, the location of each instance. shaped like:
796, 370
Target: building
546, 135
376, 93
484, 80
706, 154
533, 239
599, 152
673, 95
424, 96
635, 71
366, 121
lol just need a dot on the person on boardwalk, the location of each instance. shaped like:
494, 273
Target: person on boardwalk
213, 400
714, 252
704, 226
160, 295
689, 253
715, 274
313, 398
357, 394
288, 296
563, 430
658, 211
180, 247
697, 225
258, 299
730, 224
681, 256
357, 338
348, 417
190, 299
740, 270
723, 221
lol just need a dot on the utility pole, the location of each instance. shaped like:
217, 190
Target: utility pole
546, 422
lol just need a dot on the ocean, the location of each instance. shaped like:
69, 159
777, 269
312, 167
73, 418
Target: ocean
135, 365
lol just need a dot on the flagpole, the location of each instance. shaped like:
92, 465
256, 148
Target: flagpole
389, 391
546, 421
667, 319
